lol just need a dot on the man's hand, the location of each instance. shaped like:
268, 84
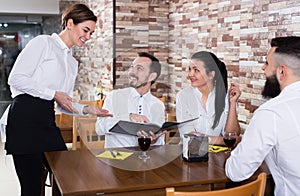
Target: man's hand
137, 118
154, 137
94, 110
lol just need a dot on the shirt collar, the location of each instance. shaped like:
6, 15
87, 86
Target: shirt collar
197, 92
60, 42
135, 94
292, 87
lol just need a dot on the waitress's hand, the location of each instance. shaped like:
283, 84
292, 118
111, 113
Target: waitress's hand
94, 110
65, 101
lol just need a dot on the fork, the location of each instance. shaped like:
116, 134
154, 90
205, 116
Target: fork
118, 153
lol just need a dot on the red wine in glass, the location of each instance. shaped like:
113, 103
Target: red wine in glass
229, 142
144, 144
229, 139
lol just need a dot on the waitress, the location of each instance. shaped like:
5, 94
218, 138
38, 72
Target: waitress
44, 73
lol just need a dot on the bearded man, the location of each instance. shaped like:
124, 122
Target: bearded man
273, 134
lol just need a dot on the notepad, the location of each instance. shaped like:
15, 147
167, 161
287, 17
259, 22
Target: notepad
108, 155
213, 148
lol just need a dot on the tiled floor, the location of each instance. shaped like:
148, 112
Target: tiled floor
9, 185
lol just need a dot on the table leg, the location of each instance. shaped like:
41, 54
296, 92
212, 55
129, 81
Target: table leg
55, 189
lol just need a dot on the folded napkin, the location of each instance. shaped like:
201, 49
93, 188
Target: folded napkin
114, 155
213, 148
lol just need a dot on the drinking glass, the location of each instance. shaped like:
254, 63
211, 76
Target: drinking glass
144, 144
229, 139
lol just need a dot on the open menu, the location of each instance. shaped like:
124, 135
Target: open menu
131, 128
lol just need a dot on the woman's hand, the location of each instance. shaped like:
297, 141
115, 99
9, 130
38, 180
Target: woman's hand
234, 93
65, 101
94, 110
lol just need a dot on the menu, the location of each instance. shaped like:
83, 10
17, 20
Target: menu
131, 128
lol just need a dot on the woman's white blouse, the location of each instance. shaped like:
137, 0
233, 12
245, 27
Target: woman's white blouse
44, 66
189, 105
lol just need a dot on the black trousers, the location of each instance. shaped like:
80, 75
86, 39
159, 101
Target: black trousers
30, 169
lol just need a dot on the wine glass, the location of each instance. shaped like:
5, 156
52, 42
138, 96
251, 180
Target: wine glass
229, 139
144, 144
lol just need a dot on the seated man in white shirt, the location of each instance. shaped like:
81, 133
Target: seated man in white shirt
135, 103
273, 133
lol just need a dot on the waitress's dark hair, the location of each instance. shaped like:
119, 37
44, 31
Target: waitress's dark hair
212, 63
78, 13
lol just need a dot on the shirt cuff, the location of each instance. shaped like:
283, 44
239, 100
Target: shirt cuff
48, 94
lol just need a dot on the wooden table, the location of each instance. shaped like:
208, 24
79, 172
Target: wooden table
81, 173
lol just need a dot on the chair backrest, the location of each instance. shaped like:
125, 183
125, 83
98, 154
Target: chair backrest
98, 103
64, 119
255, 188
65, 123
172, 136
88, 136
163, 99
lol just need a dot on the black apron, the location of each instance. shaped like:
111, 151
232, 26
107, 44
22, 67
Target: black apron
31, 126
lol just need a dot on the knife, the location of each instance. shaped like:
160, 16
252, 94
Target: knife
112, 154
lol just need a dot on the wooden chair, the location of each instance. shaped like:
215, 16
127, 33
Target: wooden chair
172, 136
65, 123
255, 188
163, 99
88, 137
75, 138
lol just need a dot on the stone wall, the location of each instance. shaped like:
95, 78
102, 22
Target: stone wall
141, 25
96, 57
138, 26
237, 31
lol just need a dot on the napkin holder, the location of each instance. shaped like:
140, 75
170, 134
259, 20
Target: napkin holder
195, 148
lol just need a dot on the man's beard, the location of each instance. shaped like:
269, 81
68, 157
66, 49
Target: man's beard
136, 86
271, 88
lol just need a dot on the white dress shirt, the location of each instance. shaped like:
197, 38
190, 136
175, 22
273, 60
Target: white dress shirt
121, 103
273, 135
189, 105
44, 66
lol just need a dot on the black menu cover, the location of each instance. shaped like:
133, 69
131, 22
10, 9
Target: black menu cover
131, 128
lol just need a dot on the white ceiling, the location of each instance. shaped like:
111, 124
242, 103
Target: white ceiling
44, 7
